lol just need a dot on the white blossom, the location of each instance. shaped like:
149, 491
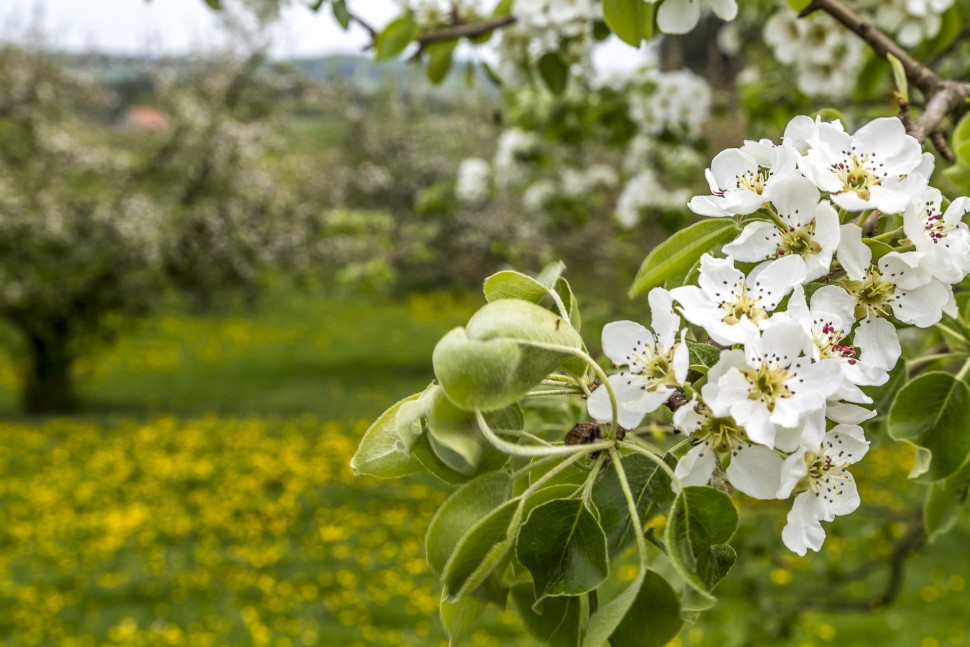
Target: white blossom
471, 184
827, 489
681, 16
942, 238
754, 469
729, 305
804, 227
898, 285
657, 361
771, 383
740, 178
879, 167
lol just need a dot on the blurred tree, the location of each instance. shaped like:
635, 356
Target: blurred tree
97, 222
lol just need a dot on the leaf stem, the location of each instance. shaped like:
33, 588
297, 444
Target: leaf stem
964, 370
600, 373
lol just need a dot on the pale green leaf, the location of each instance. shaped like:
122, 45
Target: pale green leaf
678, 253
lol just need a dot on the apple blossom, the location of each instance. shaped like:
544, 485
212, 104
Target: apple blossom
656, 361
827, 489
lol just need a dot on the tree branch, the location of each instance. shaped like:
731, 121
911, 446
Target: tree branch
467, 30
371, 31
943, 97
918, 74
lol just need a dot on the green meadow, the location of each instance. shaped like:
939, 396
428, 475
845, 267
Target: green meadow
204, 497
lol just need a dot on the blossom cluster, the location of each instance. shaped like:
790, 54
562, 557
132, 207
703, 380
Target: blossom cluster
826, 59
812, 322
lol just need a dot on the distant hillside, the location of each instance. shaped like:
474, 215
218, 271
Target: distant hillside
357, 70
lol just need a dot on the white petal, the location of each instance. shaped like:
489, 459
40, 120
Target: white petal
772, 280
687, 420
795, 198
681, 359
803, 530
678, 16
853, 254
838, 496
849, 414
758, 240
834, 300
697, 465
922, 307
725, 9
662, 317
879, 343
846, 444
756, 471
621, 339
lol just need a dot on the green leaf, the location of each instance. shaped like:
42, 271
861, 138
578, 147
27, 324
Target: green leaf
551, 273
564, 548
381, 452
703, 356
654, 618
484, 366
961, 140
462, 510
679, 252
951, 24
701, 519
214, 4
480, 550
510, 284
899, 76
799, 5
604, 621
565, 293
503, 9
439, 59
492, 460
559, 623
630, 20
491, 74
554, 73
930, 413
395, 38
455, 436
878, 248
460, 618
944, 502
652, 494
489, 542
340, 13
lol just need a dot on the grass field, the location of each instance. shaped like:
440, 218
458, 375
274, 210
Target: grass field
205, 498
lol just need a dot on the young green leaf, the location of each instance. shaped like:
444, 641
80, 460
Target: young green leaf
381, 452
564, 548
678, 253
340, 13
510, 284
492, 459
703, 356
462, 510
480, 550
395, 37
460, 618
455, 436
484, 366
701, 519
555, 73
630, 20
439, 59
930, 413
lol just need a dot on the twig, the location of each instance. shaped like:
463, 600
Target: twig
918, 74
944, 97
371, 31
468, 30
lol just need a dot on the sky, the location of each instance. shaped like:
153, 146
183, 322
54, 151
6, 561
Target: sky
163, 27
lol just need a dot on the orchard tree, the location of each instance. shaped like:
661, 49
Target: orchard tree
773, 352
98, 224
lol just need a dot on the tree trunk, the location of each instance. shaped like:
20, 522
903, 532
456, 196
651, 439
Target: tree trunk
49, 387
